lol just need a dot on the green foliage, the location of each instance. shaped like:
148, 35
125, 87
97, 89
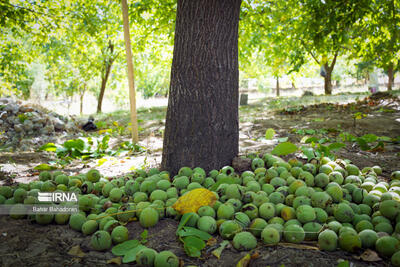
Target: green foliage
128, 249
192, 238
143, 237
193, 246
284, 148
378, 34
87, 148
269, 134
44, 167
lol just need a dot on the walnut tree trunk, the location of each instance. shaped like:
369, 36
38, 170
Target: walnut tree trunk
390, 78
277, 87
202, 127
328, 80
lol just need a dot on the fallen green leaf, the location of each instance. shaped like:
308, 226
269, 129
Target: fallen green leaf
283, 149
44, 167
191, 231
269, 133
123, 248
130, 256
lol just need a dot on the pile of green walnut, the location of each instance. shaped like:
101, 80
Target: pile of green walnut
331, 202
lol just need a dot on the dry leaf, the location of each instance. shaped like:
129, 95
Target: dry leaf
217, 252
211, 242
244, 262
193, 200
255, 255
299, 246
116, 260
76, 251
369, 255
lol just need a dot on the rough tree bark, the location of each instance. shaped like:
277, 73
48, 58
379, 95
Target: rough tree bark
390, 77
328, 80
328, 76
202, 127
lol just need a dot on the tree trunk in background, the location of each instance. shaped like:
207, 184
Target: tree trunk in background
390, 77
103, 87
328, 80
131, 76
277, 87
81, 101
202, 125
109, 59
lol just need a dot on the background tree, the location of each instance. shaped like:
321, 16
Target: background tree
24, 25
378, 41
202, 127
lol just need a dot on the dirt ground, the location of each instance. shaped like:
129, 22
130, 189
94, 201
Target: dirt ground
25, 244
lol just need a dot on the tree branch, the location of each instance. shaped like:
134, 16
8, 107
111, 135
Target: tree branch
310, 52
334, 60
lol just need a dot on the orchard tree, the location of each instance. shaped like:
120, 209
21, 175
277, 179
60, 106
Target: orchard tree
24, 27
379, 38
101, 20
202, 127
320, 30
262, 39
152, 23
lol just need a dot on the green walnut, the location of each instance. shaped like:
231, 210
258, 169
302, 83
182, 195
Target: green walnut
89, 227
93, 176
349, 241
101, 240
61, 179
225, 211
207, 224
17, 211
229, 228
158, 195
76, 221
60, 218
107, 189
166, 259
294, 233
387, 246
327, 240
19, 195
119, 234
181, 182
206, 211
87, 187
145, 257
244, 241
257, 225
270, 235
148, 217
44, 219
44, 176
115, 195
242, 219
126, 212
86, 203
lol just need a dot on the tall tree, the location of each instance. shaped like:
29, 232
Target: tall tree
320, 30
379, 37
202, 127
131, 77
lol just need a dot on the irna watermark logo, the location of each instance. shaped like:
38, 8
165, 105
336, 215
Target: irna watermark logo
57, 197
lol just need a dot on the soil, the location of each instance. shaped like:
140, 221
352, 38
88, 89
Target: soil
27, 244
